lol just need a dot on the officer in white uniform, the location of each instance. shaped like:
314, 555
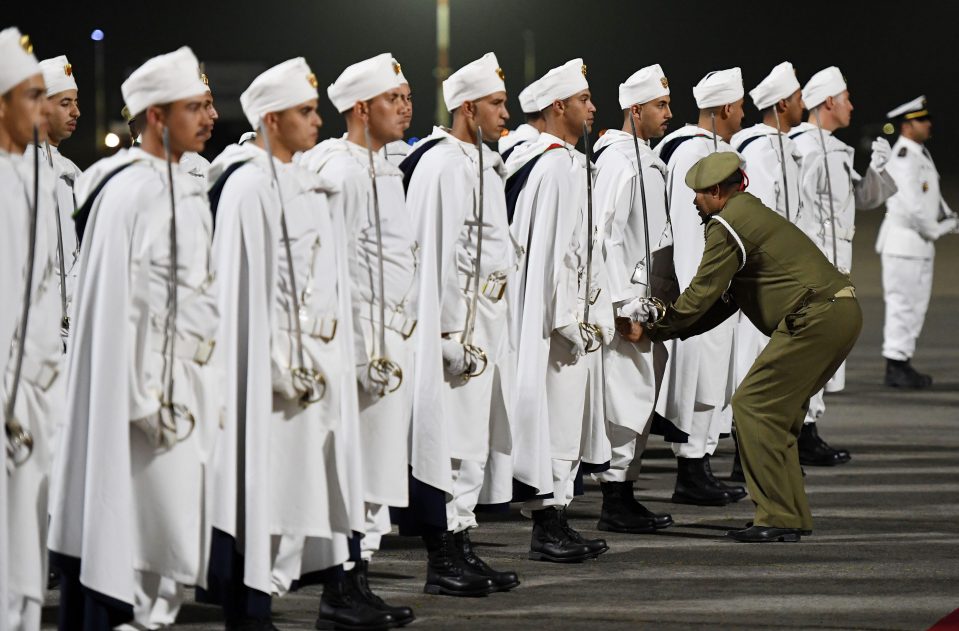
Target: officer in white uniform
916, 217
832, 192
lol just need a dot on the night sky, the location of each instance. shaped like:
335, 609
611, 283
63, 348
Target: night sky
888, 53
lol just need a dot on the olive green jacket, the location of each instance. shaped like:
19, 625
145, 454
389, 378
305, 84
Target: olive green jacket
754, 260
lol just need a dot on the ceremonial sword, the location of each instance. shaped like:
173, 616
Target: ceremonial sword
64, 316
170, 411
480, 360
642, 196
20, 440
591, 333
309, 382
782, 157
832, 212
381, 369
712, 121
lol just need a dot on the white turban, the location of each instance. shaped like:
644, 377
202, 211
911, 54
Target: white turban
163, 79
822, 85
780, 84
281, 87
473, 81
561, 83
58, 75
364, 80
643, 86
17, 62
720, 87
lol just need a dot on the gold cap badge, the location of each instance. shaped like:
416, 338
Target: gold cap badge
501, 74
584, 70
888, 129
663, 81
205, 79
26, 44
68, 69
397, 68
312, 79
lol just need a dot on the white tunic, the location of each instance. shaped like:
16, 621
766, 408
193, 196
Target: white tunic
700, 368
549, 292
442, 200
633, 371
850, 191
411, 416
395, 152
916, 216
117, 502
300, 475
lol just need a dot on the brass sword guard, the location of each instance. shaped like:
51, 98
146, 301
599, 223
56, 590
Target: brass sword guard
311, 383
19, 442
170, 414
385, 372
592, 336
479, 363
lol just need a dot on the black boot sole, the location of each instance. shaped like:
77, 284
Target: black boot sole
506, 588
628, 531
692, 501
329, 625
542, 556
830, 462
438, 590
780, 539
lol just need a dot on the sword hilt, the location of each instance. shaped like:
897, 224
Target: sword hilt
170, 414
310, 383
19, 442
477, 361
592, 336
385, 373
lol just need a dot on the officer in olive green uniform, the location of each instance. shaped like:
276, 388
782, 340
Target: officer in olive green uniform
757, 261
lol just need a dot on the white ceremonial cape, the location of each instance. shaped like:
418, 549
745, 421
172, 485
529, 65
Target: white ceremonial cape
550, 224
412, 416
117, 503
300, 478
633, 372
16, 186
441, 198
700, 368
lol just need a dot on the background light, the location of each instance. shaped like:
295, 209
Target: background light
111, 140
96, 35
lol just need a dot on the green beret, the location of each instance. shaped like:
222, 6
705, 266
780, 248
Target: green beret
712, 170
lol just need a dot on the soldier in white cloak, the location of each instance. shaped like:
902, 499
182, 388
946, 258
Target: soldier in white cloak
143, 398
40, 390
561, 314
916, 217
466, 259
626, 198
63, 97
772, 165
396, 151
404, 453
23, 112
832, 191
287, 479
531, 128
699, 383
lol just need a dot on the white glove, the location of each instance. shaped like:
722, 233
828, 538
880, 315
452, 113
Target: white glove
283, 385
639, 310
575, 337
372, 389
881, 152
158, 435
948, 225
456, 360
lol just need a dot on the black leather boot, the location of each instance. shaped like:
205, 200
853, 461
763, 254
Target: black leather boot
901, 374
736, 493
694, 487
446, 574
359, 580
340, 608
502, 581
815, 452
622, 513
550, 542
596, 546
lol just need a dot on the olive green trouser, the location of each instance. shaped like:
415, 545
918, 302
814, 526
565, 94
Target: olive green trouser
770, 405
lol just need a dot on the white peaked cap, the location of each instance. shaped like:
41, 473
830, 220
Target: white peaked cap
561, 83
822, 85
915, 108
281, 87
400, 77
643, 86
779, 84
17, 62
58, 75
163, 79
720, 87
527, 99
474, 81
364, 80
